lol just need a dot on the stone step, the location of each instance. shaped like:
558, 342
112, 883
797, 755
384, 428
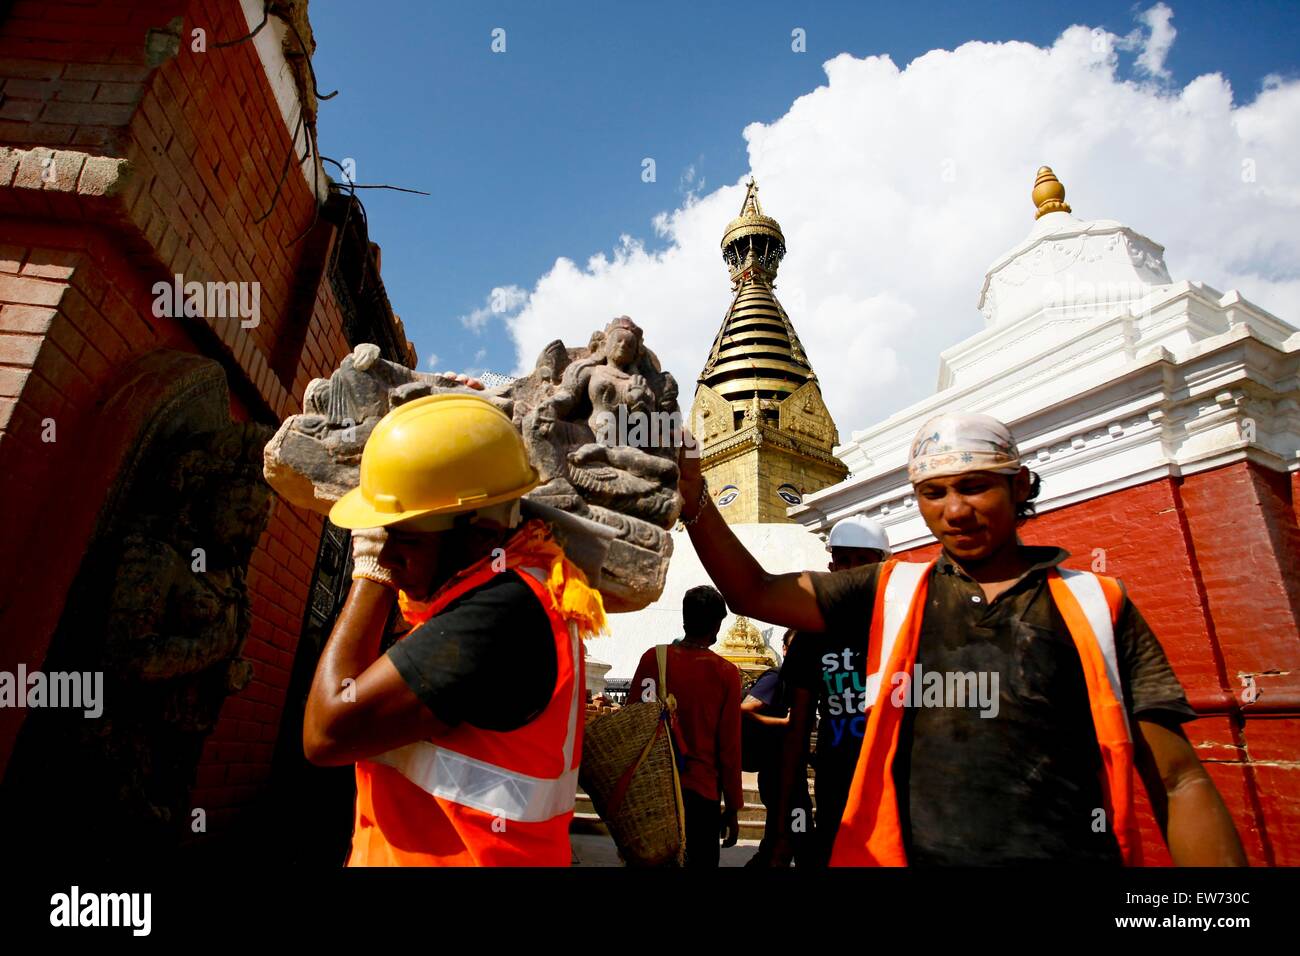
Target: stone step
751, 830
590, 823
752, 811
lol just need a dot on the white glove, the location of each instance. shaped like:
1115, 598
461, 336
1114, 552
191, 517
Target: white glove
367, 543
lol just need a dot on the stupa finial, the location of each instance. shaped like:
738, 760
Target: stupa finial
1049, 194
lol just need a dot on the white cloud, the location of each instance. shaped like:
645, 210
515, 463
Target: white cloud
1157, 20
434, 361
897, 188
500, 302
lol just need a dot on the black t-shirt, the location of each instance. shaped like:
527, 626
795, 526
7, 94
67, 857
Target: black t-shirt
487, 660
760, 743
1022, 784
832, 667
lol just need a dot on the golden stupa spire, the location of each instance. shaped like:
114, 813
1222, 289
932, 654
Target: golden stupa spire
768, 437
1049, 194
756, 347
753, 239
750, 206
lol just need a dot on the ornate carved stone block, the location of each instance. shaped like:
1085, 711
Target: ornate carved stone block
601, 425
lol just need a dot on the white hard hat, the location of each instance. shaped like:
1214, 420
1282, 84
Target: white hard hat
857, 531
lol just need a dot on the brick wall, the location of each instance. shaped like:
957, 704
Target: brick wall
116, 174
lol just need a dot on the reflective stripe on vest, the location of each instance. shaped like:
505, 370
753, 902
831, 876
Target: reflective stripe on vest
900, 587
575, 713
482, 786
488, 787
1087, 590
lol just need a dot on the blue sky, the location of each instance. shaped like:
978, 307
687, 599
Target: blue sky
536, 153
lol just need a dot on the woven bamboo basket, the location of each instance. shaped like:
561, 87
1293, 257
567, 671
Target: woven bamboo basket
646, 825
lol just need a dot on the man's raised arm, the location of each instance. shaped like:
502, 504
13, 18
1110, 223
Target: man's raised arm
784, 599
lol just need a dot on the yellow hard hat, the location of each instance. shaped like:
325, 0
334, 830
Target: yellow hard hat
437, 455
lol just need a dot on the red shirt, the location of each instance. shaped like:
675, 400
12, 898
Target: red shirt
707, 688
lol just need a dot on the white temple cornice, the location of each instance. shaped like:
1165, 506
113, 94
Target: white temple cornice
1171, 412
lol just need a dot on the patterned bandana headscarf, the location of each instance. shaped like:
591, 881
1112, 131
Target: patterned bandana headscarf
956, 442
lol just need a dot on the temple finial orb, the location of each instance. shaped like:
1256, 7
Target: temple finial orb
1049, 194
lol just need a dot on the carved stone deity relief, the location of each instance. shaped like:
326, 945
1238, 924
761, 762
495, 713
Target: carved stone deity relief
159, 609
601, 424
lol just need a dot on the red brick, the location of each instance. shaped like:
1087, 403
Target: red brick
42, 49
118, 93
74, 91
34, 166
28, 291
87, 114
100, 136
26, 318
113, 73
12, 381
70, 338
29, 69
259, 651
36, 133
22, 111
209, 776
62, 371
20, 349
63, 173
11, 258
9, 159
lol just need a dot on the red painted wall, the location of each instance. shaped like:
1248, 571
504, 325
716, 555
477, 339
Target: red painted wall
83, 236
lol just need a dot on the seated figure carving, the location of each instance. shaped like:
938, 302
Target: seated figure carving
601, 424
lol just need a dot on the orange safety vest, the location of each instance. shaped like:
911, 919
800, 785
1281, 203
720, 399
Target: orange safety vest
870, 832
476, 797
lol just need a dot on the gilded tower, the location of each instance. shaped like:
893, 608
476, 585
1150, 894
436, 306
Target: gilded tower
766, 433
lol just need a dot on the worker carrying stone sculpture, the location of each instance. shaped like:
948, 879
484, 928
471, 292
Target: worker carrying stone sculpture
467, 732
1009, 703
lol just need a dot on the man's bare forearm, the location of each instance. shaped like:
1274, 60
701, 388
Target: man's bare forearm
765, 720
352, 647
1200, 829
1187, 806
733, 569
784, 599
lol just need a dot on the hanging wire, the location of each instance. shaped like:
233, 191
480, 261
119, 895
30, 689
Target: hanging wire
347, 216
315, 87
400, 189
284, 168
266, 15
315, 186
310, 136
